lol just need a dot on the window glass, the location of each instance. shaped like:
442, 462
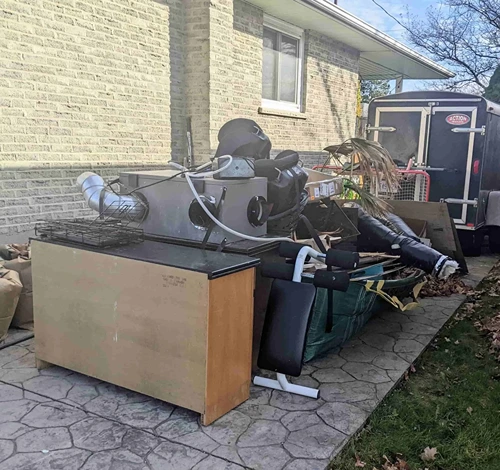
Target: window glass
270, 67
289, 55
281, 69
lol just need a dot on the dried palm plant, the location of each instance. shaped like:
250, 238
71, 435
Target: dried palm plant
372, 159
368, 159
372, 204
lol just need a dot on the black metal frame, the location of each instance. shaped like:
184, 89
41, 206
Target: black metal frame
96, 233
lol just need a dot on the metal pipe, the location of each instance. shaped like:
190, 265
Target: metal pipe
469, 202
106, 202
469, 130
281, 383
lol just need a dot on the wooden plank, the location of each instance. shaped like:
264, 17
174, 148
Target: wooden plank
459, 254
138, 325
229, 345
439, 228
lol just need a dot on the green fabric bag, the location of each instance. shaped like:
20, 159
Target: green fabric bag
351, 311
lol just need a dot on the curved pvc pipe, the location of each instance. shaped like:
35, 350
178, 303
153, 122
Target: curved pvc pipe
212, 217
301, 259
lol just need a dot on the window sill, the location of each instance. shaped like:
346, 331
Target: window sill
282, 113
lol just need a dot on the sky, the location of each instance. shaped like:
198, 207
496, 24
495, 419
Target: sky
375, 16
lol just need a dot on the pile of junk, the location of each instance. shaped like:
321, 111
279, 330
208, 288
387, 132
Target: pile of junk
16, 294
332, 253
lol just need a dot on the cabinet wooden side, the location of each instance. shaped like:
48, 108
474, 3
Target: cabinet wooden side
229, 343
135, 324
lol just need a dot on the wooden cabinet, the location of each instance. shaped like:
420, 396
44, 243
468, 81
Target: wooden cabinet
171, 322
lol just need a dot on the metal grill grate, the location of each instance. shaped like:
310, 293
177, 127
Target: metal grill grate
97, 233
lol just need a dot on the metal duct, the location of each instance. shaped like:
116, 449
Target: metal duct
107, 203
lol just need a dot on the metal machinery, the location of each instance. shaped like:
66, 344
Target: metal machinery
224, 200
175, 213
164, 205
454, 137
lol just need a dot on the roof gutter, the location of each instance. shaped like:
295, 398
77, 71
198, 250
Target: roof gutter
334, 11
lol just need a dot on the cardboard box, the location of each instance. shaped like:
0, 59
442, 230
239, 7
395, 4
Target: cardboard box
440, 227
418, 226
321, 185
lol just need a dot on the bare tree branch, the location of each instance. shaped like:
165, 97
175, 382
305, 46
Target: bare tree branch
462, 34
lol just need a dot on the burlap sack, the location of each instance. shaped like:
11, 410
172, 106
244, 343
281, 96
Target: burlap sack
10, 290
23, 317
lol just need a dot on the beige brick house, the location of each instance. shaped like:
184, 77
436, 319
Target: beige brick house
110, 84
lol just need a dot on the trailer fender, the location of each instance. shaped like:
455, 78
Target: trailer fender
493, 209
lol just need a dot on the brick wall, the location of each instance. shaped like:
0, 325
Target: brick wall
84, 84
107, 85
197, 72
208, 69
329, 91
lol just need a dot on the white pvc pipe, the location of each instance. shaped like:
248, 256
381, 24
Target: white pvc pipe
301, 259
211, 216
177, 166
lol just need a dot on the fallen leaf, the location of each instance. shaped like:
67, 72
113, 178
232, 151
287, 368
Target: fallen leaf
456, 342
402, 464
428, 454
469, 307
412, 369
444, 287
492, 328
359, 462
388, 465
447, 339
469, 410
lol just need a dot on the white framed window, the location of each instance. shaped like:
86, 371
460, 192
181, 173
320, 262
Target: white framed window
282, 65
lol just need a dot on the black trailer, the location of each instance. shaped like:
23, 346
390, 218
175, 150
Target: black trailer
455, 137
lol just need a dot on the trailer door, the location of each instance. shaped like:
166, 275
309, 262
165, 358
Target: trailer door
402, 131
450, 149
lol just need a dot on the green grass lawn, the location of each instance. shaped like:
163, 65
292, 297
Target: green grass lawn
451, 403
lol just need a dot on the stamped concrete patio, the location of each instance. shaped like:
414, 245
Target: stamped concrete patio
57, 419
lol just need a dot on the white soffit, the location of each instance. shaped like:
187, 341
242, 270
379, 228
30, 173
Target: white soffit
381, 55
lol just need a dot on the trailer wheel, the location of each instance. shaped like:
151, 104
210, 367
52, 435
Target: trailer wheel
471, 242
494, 236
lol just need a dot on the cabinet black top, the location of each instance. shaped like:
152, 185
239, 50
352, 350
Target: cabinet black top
211, 263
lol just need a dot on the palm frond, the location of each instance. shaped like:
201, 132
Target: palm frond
373, 159
372, 204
